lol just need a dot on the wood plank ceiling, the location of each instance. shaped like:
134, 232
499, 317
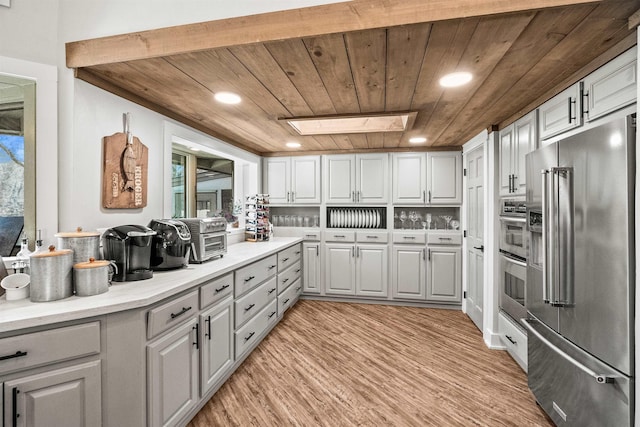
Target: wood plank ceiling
517, 59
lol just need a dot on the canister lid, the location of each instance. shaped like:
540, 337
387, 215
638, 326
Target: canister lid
78, 233
52, 252
92, 263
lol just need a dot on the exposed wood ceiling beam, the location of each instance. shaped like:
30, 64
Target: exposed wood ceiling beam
306, 22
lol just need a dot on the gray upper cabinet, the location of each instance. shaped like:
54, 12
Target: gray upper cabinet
611, 87
409, 178
359, 178
516, 140
444, 178
561, 113
292, 180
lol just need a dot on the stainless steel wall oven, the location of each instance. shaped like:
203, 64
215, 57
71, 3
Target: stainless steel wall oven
513, 257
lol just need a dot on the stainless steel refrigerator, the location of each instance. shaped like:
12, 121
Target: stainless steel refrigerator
580, 276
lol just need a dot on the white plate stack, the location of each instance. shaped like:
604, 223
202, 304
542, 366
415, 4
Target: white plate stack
354, 218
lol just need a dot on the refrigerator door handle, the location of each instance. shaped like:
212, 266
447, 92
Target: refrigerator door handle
545, 240
563, 293
599, 378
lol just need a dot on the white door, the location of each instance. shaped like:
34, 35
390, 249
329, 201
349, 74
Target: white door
444, 178
408, 272
371, 270
305, 179
277, 179
409, 178
475, 235
339, 179
311, 264
372, 179
340, 269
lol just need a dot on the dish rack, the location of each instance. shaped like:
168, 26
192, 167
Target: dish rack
361, 217
256, 210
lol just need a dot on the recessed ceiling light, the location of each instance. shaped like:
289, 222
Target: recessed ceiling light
293, 144
194, 149
417, 140
227, 98
455, 79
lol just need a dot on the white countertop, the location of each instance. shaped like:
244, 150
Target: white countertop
15, 315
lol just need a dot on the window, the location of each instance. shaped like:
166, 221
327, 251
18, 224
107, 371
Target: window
17, 162
210, 176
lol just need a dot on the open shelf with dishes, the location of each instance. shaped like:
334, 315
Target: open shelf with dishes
357, 217
426, 218
295, 216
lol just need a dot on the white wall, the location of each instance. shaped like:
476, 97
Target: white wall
87, 114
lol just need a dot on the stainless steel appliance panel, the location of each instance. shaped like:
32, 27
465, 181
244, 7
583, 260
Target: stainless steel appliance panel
513, 276
572, 386
538, 278
595, 187
513, 236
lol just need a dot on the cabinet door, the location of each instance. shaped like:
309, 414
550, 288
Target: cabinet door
506, 159
371, 270
305, 179
339, 179
216, 336
561, 113
444, 178
611, 86
372, 178
172, 375
409, 178
408, 272
525, 134
340, 269
311, 267
444, 283
67, 397
277, 179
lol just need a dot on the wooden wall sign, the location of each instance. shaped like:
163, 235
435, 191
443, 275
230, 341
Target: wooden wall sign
124, 172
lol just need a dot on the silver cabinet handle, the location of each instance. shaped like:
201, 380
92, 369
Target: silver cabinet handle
429, 196
353, 251
288, 192
409, 237
357, 251
293, 196
423, 254
600, 378
372, 237
358, 197
424, 196
444, 238
429, 254
571, 116
353, 196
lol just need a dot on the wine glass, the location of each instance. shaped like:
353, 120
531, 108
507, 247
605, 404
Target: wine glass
413, 217
428, 221
447, 220
403, 218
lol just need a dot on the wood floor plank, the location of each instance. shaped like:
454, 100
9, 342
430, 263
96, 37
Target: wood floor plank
341, 364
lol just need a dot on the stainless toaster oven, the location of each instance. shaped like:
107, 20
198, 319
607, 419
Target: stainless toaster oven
208, 238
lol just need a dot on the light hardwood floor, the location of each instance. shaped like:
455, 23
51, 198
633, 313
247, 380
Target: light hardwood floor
339, 364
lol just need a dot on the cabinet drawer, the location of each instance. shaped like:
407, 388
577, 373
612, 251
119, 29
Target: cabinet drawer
171, 314
254, 274
54, 345
444, 238
248, 305
289, 256
339, 236
215, 290
249, 333
514, 339
409, 237
289, 296
312, 235
287, 277
372, 236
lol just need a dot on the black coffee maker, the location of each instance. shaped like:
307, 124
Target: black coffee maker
130, 247
171, 245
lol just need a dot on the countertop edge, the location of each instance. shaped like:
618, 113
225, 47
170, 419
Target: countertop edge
24, 314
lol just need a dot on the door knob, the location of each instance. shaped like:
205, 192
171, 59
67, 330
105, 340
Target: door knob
480, 248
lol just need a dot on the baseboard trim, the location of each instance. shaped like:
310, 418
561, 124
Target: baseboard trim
381, 302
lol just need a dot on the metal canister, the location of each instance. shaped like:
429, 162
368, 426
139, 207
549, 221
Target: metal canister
85, 244
51, 275
92, 277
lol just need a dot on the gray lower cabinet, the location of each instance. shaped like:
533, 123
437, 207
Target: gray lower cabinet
444, 277
340, 274
311, 267
172, 374
408, 272
69, 397
216, 336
